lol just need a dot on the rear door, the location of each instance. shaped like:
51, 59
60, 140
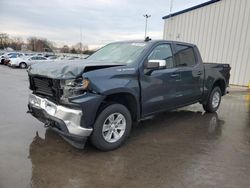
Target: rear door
190, 87
41, 59
32, 60
158, 88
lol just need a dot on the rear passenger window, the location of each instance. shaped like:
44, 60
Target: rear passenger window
162, 52
185, 56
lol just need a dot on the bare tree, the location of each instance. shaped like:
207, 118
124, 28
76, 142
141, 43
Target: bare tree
4, 40
39, 45
65, 49
13, 42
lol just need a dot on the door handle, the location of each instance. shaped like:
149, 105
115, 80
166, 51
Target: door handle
199, 73
174, 75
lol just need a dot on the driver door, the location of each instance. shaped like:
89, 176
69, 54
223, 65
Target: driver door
158, 86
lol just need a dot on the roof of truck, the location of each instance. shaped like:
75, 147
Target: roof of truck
155, 41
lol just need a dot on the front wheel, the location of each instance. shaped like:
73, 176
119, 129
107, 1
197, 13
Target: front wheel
112, 127
214, 100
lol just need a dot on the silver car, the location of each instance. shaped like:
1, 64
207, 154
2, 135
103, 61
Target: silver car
27, 61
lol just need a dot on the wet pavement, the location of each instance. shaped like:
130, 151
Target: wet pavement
183, 148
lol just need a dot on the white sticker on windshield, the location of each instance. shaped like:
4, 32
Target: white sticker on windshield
138, 44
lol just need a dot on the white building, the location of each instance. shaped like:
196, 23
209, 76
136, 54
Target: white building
220, 29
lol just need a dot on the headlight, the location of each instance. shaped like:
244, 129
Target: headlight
74, 87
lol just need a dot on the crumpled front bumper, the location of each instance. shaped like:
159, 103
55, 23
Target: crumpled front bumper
63, 120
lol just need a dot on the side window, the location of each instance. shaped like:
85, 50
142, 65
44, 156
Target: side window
33, 58
163, 52
41, 58
13, 56
185, 56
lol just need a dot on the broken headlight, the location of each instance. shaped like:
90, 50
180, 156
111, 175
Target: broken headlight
74, 87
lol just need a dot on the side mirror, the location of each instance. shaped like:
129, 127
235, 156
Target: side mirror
155, 64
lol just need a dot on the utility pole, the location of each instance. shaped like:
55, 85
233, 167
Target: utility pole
171, 2
171, 6
146, 25
80, 39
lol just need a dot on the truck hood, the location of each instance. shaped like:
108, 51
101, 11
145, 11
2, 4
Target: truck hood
67, 69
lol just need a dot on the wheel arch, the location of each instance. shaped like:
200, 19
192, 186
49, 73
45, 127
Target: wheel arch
125, 98
221, 84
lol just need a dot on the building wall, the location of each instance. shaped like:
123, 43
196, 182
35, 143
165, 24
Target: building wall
222, 33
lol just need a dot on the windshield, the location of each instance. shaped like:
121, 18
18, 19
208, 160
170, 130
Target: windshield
119, 52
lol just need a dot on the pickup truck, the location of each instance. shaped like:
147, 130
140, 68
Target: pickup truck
124, 82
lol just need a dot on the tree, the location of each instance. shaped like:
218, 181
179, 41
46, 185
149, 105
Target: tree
89, 52
4, 40
73, 51
13, 42
65, 49
39, 45
16, 43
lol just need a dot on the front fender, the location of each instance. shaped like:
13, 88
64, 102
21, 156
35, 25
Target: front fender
89, 104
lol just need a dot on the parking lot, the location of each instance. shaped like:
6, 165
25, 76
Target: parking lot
183, 148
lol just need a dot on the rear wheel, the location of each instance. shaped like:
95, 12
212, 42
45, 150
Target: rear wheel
214, 100
112, 127
23, 65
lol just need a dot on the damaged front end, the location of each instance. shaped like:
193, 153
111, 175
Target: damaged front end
63, 99
63, 120
65, 106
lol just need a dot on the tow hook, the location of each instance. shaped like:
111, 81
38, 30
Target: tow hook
29, 111
47, 124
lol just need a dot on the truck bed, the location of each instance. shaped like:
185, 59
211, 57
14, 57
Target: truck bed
224, 69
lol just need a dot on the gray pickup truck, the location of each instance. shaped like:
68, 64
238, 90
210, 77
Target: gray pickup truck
124, 82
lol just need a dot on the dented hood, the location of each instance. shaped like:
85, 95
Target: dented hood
67, 69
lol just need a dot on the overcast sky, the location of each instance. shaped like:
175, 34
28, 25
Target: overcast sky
102, 21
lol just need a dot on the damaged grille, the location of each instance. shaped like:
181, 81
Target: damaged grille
45, 86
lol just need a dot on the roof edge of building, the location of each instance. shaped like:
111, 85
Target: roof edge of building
190, 9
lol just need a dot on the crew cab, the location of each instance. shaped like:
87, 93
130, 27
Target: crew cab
124, 82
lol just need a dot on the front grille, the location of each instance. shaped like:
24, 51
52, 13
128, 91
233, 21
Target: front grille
45, 86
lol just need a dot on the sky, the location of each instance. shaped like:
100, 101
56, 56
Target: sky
101, 21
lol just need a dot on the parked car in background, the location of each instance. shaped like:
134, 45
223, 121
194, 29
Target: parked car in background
5, 57
29, 54
2, 58
12, 58
49, 55
26, 62
73, 58
54, 57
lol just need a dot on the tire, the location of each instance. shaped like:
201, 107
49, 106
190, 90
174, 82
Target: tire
23, 65
214, 100
106, 136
